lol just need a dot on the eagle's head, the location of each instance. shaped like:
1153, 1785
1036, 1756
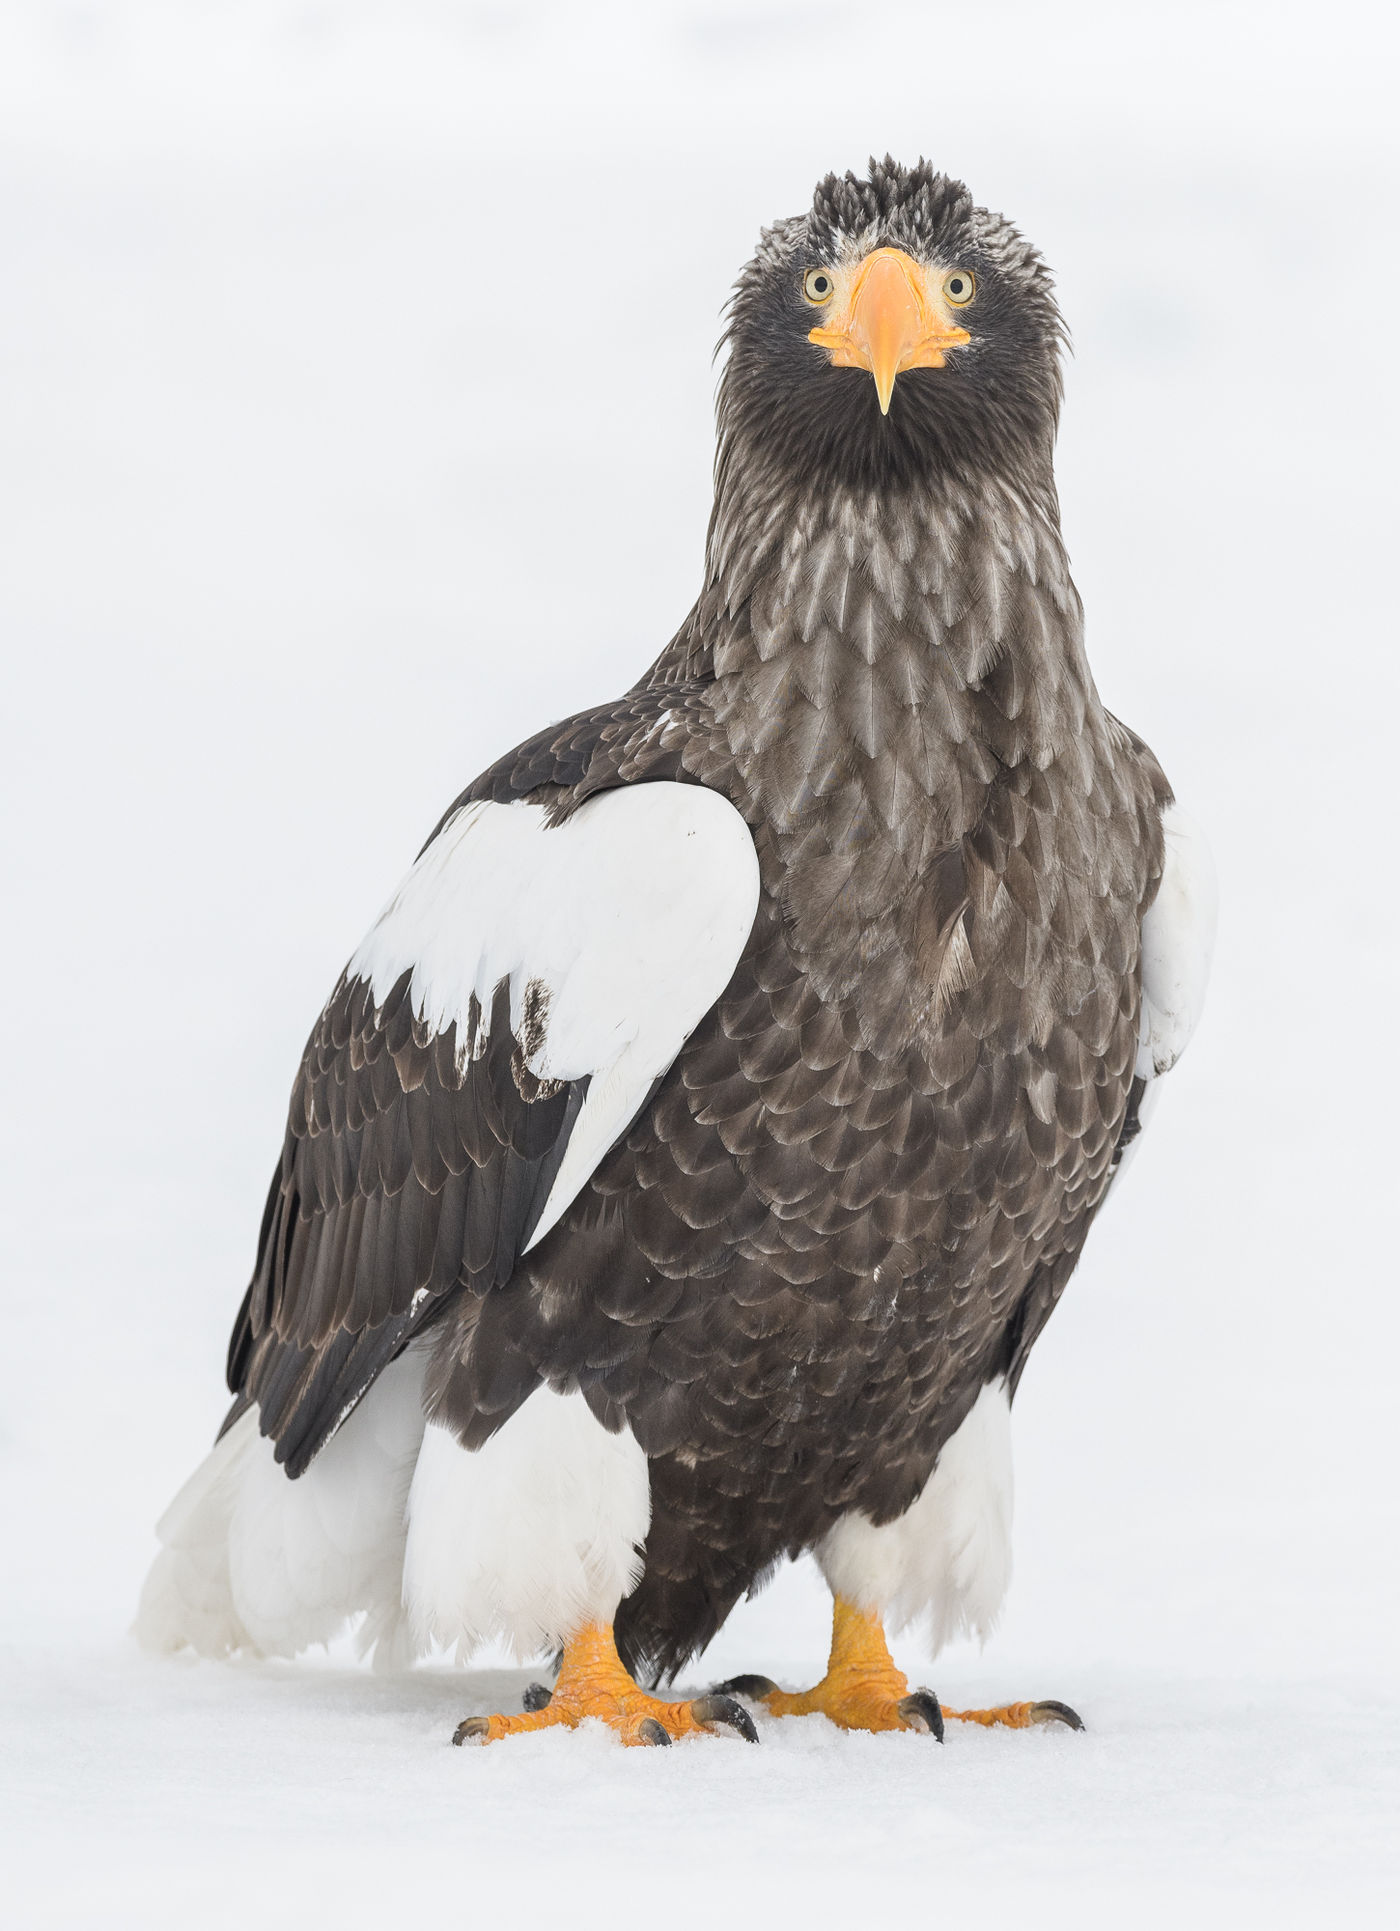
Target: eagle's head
893, 333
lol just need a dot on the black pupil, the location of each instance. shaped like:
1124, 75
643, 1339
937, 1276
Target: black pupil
955, 287
820, 284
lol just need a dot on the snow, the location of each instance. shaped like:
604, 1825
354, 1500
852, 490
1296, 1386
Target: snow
355, 416
217, 1796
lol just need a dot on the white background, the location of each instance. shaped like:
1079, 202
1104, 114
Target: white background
355, 419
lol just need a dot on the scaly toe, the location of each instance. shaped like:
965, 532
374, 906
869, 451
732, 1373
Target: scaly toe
653, 1723
1019, 1716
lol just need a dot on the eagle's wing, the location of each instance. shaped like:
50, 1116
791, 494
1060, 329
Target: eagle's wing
501, 1026
1178, 937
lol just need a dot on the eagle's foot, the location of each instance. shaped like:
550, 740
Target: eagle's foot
593, 1682
1019, 1716
862, 1688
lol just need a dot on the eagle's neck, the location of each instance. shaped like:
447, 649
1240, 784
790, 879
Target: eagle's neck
887, 679
900, 652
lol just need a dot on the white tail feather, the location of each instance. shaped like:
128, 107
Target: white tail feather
253, 1561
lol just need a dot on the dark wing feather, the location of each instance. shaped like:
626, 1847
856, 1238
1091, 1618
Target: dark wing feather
407, 1177
404, 1179
1051, 1276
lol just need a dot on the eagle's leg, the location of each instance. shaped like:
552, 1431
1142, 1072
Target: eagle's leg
862, 1688
593, 1682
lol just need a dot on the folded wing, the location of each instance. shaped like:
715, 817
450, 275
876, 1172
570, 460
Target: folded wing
1178, 937
501, 1026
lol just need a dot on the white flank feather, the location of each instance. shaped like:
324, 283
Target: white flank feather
948, 1557
1178, 937
529, 1537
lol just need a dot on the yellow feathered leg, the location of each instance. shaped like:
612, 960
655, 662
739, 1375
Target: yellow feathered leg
593, 1682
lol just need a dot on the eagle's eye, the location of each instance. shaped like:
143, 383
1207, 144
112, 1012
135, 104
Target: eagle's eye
818, 286
959, 287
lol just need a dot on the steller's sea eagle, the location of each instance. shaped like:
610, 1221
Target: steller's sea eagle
686, 1162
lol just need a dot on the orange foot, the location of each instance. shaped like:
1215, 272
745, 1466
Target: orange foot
862, 1689
593, 1682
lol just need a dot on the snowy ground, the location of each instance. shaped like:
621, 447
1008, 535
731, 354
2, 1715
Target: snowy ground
294, 542
281, 1795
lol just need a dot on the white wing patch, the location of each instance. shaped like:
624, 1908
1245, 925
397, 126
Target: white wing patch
1178, 936
617, 931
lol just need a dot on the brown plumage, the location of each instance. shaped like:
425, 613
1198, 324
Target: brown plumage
858, 1193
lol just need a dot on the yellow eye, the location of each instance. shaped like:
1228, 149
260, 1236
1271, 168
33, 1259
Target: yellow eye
959, 287
818, 286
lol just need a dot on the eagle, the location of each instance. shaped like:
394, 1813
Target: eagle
684, 1165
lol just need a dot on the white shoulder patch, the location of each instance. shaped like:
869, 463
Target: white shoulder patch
617, 931
1178, 936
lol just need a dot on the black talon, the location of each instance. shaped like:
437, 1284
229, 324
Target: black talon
755, 1688
1051, 1712
650, 1731
719, 1708
920, 1710
471, 1726
536, 1697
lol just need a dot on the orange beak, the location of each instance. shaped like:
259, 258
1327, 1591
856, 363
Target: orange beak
888, 323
